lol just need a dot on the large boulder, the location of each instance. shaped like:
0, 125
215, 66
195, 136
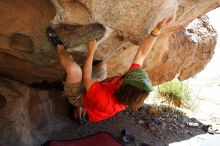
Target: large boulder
27, 56
28, 116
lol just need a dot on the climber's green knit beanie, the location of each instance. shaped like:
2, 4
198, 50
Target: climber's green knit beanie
138, 78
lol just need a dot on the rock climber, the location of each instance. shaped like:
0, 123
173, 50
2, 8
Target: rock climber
103, 99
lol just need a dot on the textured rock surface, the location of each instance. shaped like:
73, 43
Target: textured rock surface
181, 55
189, 50
30, 117
25, 53
28, 57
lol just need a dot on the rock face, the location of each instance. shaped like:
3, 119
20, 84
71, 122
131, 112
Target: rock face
189, 50
27, 56
29, 116
25, 53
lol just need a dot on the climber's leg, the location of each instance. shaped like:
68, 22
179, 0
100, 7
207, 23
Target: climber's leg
73, 85
74, 72
73, 88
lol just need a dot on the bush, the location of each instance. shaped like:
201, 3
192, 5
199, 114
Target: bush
175, 92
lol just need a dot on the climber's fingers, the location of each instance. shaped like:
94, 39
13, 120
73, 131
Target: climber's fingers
162, 23
92, 45
172, 18
167, 21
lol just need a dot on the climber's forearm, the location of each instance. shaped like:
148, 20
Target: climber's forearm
148, 42
87, 68
144, 49
87, 71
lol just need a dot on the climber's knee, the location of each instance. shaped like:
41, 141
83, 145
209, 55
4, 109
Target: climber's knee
74, 73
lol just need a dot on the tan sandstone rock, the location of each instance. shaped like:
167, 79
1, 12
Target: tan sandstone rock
27, 56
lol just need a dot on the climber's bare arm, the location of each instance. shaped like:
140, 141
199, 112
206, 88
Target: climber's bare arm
144, 49
148, 42
87, 69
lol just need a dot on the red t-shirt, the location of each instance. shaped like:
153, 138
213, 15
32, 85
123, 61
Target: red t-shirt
100, 102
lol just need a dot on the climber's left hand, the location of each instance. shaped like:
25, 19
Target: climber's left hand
166, 21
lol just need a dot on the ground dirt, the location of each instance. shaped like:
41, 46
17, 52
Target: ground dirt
166, 125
